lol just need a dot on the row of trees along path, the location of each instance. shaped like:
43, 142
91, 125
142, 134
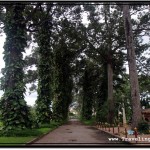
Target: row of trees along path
74, 62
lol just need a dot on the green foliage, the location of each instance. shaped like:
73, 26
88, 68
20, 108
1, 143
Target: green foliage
101, 93
91, 94
25, 132
71, 114
1, 124
43, 102
104, 53
66, 50
45, 125
44, 128
33, 117
143, 127
87, 96
103, 112
21, 133
63, 44
122, 98
13, 106
89, 122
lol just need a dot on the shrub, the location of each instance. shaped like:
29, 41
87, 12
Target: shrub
1, 124
46, 125
20, 133
89, 122
143, 127
71, 114
55, 124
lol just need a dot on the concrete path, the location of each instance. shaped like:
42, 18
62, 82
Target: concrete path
76, 134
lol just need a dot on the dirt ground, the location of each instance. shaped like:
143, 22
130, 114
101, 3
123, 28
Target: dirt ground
74, 133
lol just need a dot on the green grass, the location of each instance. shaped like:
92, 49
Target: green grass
21, 137
14, 141
44, 130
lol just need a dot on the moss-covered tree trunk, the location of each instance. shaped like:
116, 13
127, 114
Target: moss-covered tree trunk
44, 71
87, 103
13, 106
63, 82
102, 95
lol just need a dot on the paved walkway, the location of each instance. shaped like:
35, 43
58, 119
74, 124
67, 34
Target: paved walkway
76, 134
141, 139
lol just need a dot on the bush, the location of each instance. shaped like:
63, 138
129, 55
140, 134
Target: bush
45, 125
20, 133
50, 125
1, 124
102, 113
71, 114
89, 122
29, 132
55, 124
143, 127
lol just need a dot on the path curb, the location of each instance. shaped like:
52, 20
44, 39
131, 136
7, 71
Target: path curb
115, 136
39, 137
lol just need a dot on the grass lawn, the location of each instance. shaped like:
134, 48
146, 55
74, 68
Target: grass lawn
45, 130
14, 141
25, 136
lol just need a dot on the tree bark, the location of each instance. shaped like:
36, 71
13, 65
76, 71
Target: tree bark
135, 97
110, 93
109, 65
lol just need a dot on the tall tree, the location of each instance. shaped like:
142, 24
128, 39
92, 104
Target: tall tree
44, 65
15, 113
135, 97
109, 63
105, 38
67, 45
87, 101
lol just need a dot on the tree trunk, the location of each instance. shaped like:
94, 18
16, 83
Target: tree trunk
14, 110
109, 65
110, 93
135, 97
44, 98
